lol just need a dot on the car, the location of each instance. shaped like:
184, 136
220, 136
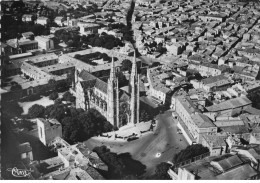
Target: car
131, 139
179, 131
158, 155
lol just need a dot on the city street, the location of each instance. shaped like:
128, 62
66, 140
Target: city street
152, 148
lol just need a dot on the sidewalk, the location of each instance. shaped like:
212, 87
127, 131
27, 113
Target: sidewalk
129, 129
126, 131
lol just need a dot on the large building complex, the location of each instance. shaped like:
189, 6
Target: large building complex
119, 107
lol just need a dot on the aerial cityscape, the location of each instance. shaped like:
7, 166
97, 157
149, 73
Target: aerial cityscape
130, 90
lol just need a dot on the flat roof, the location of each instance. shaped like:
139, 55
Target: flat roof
58, 66
12, 57
42, 58
34, 70
42, 38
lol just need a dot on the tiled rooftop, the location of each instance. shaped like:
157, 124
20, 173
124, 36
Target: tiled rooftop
230, 104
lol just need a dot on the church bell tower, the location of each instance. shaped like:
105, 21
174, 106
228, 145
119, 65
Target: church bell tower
113, 97
135, 93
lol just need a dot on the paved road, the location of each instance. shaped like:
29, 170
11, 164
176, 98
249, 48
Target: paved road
164, 140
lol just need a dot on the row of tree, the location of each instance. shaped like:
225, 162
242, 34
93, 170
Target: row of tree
104, 40
71, 38
12, 28
60, 86
66, 96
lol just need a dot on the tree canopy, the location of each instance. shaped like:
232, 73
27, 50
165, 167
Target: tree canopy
57, 111
78, 125
120, 166
13, 28
54, 96
145, 116
161, 171
190, 152
126, 65
16, 87
71, 38
36, 111
121, 79
104, 40
68, 97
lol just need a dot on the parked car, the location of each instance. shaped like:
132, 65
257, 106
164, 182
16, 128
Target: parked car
132, 138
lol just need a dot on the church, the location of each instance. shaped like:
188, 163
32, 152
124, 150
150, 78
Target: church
117, 106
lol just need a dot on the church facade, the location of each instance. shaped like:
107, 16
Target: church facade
117, 106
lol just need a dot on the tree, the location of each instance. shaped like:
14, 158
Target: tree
54, 96
70, 43
132, 167
109, 45
72, 130
93, 122
161, 49
36, 111
68, 97
105, 57
190, 152
144, 116
62, 86
107, 127
98, 42
78, 125
161, 171
144, 72
52, 83
126, 65
17, 5
62, 13
120, 166
16, 87
121, 79
57, 111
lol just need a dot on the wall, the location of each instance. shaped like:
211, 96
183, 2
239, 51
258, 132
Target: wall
80, 96
183, 174
41, 131
27, 155
186, 118
184, 134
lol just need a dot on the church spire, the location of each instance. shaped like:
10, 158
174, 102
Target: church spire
134, 90
134, 71
112, 97
112, 71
